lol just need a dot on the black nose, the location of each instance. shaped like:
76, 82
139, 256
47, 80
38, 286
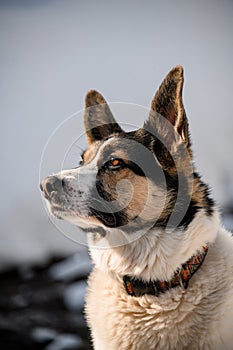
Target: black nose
50, 184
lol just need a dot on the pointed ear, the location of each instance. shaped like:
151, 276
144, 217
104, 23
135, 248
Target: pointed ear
167, 103
98, 119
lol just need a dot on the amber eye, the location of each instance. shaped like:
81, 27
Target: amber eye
115, 163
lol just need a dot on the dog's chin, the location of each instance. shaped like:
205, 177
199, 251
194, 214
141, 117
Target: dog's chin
74, 218
58, 213
55, 210
77, 218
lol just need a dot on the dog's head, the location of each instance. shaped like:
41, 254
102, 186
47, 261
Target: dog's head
130, 179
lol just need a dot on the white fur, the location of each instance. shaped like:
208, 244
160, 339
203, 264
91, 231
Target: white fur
200, 317
156, 254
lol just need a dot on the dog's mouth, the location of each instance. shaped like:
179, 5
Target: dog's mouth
64, 210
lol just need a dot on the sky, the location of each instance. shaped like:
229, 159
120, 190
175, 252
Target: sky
53, 52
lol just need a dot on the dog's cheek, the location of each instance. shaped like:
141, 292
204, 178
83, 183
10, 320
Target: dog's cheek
106, 191
108, 184
139, 197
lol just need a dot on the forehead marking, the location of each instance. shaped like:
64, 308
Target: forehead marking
91, 156
115, 147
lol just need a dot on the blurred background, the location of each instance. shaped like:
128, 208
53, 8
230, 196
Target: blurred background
52, 53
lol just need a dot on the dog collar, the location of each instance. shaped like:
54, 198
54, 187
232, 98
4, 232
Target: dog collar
136, 287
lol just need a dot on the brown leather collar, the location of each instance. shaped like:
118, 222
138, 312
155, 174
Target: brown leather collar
136, 287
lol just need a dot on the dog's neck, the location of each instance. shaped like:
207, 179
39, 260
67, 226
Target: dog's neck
158, 253
136, 287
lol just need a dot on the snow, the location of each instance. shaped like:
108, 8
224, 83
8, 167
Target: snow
76, 266
74, 296
41, 334
228, 222
65, 342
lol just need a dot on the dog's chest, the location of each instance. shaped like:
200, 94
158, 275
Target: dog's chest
124, 322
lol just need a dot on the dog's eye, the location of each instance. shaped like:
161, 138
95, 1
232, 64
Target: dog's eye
114, 164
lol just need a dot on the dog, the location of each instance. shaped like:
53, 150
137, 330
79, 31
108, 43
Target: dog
163, 263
